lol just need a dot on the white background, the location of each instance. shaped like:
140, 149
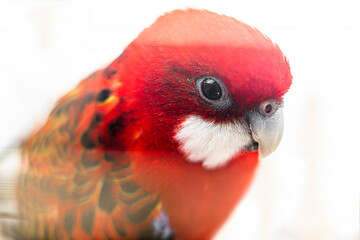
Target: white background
308, 189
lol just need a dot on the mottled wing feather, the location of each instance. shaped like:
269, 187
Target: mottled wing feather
72, 184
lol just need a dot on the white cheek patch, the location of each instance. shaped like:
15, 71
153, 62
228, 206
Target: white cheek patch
210, 143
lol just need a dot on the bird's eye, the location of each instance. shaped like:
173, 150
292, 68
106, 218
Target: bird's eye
268, 107
213, 90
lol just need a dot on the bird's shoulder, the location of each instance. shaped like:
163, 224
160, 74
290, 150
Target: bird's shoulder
78, 172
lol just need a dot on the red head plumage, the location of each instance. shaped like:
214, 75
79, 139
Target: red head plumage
190, 44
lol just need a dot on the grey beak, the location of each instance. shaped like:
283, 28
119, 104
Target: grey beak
266, 131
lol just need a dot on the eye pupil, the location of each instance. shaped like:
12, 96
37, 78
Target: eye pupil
268, 108
211, 89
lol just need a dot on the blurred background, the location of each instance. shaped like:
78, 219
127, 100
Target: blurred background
308, 189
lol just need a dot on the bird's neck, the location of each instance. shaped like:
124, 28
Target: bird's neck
197, 200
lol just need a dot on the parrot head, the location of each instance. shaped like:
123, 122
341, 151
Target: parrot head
204, 85
209, 86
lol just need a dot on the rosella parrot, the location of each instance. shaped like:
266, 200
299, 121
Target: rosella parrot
163, 142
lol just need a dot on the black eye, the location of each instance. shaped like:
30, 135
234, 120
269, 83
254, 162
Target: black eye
268, 107
211, 89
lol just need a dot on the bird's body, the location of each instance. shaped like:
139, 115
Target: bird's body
143, 148
70, 170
